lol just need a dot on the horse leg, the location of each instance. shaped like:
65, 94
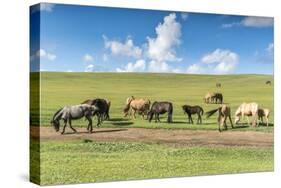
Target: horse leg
65, 123
69, 122
158, 118
266, 119
90, 125
134, 114
219, 122
230, 121
190, 117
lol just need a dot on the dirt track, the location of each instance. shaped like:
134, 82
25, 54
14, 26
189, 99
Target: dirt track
167, 136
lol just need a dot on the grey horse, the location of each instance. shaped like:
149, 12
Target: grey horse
69, 113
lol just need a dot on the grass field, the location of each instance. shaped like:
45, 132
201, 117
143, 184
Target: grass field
83, 160
60, 89
88, 161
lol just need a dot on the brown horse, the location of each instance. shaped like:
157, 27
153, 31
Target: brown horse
263, 112
247, 109
209, 97
224, 113
141, 106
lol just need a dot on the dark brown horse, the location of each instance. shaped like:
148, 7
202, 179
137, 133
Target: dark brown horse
158, 108
189, 110
217, 98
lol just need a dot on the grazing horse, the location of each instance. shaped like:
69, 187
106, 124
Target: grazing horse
248, 109
103, 106
224, 113
217, 98
140, 106
189, 110
263, 112
209, 97
158, 108
268, 82
218, 85
69, 113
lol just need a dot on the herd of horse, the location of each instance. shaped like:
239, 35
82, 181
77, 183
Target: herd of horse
101, 107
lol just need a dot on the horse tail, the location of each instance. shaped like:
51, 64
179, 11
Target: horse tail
170, 113
57, 112
211, 112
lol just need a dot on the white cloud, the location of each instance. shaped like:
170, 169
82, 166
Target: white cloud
270, 48
184, 16
69, 71
90, 68
224, 61
139, 66
47, 7
88, 58
168, 36
158, 66
124, 49
252, 21
194, 69
42, 53
105, 57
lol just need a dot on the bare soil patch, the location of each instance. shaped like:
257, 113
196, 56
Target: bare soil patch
175, 137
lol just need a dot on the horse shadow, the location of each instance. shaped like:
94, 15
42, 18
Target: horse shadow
122, 123
118, 119
95, 131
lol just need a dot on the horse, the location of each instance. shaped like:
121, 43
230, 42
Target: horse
217, 98
189, 110
268, 82
208, 97
248, 109
69, 113
263, 112
103, 108
218, 85
158, 108
136, 105
224, 113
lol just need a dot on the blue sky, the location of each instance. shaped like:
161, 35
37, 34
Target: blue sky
99, 39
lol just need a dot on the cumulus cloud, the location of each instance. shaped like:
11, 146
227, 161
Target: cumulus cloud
225, 61
124, 49
220, 61
88, 58
168, 36
158, 66
194, 69
42, 53
138, 66
89, 68
105, 57
252, 21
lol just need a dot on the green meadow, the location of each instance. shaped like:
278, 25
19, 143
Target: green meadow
78, 161
61, 89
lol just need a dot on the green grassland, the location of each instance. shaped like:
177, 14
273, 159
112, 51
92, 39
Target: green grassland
60, 89
94, 161
90, 161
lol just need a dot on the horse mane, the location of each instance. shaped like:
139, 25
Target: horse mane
211, 112
57, 113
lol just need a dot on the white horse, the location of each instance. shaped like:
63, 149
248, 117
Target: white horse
69, 113
247, 109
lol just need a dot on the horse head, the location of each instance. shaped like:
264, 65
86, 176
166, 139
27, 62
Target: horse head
56, 125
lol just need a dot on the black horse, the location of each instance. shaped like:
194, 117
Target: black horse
189, 110
217, 98
268, 82
103, 108
158, 108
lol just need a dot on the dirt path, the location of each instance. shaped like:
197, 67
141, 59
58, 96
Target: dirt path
167, 136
